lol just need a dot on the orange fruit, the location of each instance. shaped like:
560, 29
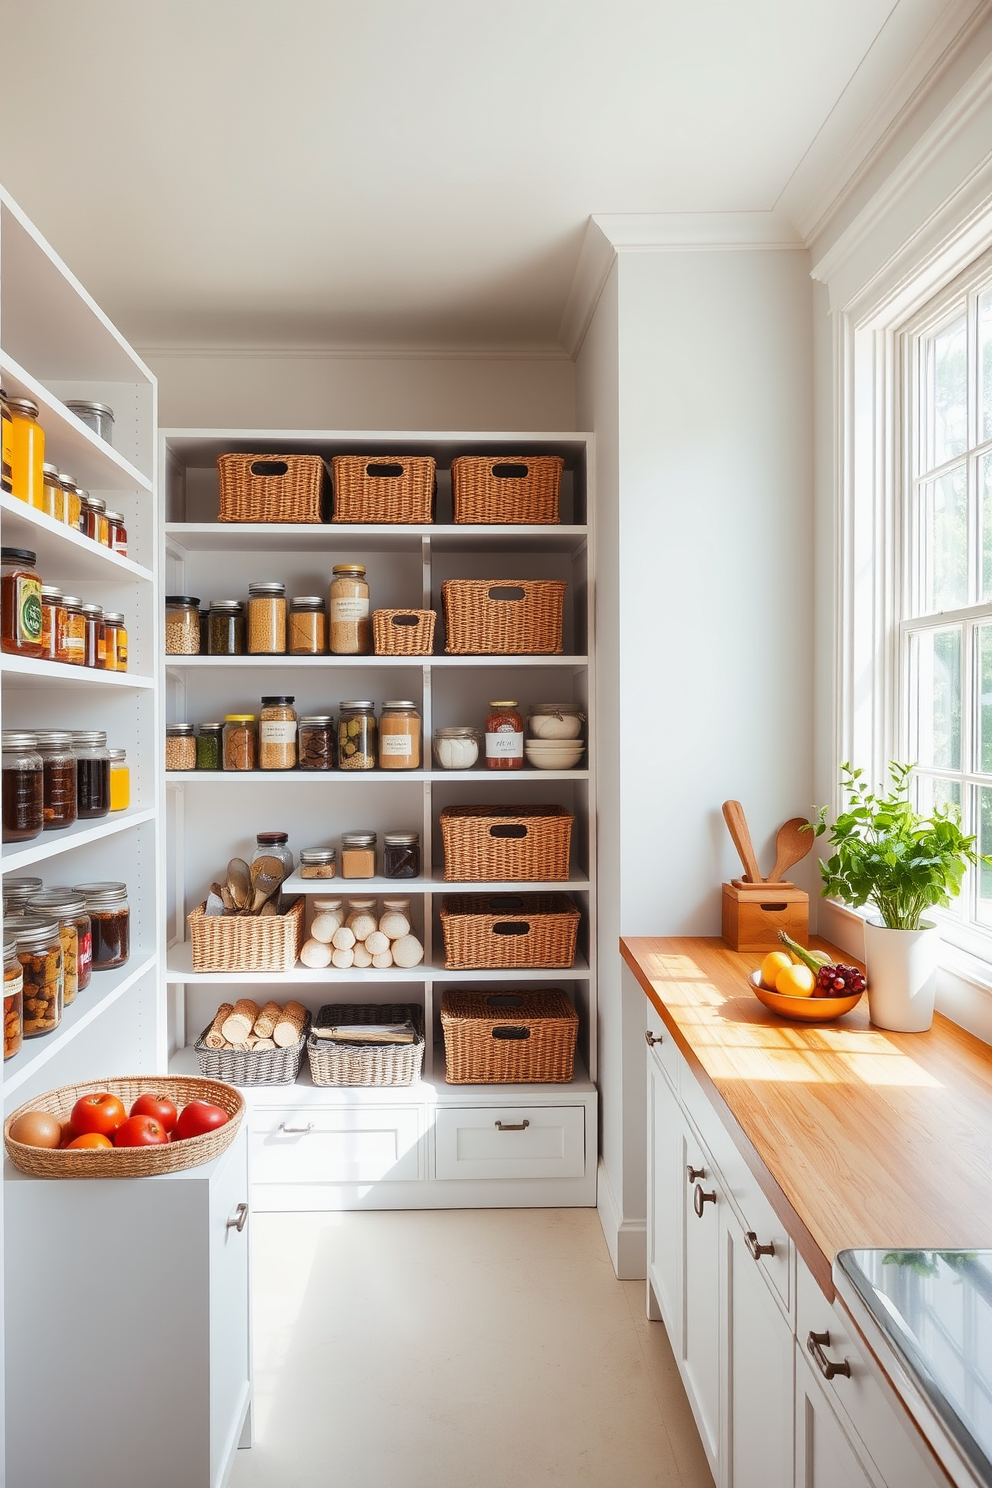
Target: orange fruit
773, 963
91, 1140
795, 981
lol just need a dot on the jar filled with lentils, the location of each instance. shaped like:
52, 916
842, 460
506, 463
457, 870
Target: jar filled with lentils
92, 773
39, 950
180, 746
182, 625
209, 746
110, 916
226, 628
266, 619
59, 777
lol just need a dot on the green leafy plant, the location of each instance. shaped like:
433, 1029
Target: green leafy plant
890, 856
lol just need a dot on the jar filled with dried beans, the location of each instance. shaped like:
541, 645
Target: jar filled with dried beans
180, 746
39, 950
92, 773
182, 625
277, 734
266, 619
13, 998
239, 741
351, 612
307, 625
59, 777
110, 916
23, 788
504, 737
315, 747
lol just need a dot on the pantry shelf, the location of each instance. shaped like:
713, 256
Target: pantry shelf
63, 553
331, 537
81, 834
24, 672
282, 663
180, 969
357, 777
436, 885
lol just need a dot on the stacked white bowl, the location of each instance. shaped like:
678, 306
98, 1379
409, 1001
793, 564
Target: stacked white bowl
556, 745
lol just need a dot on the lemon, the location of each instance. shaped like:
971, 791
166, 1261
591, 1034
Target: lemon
773, 963
795, 981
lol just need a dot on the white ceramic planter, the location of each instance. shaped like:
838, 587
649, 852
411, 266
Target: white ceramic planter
901, 967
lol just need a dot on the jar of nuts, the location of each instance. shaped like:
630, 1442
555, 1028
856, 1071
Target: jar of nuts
182, 625
13, 999
39, 950
76, 933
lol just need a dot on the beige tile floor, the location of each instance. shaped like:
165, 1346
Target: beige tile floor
458, 1349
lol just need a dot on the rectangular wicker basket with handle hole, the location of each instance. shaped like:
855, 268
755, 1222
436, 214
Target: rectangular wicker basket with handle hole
403, 632
503, 617
503, 930
506, 844
384, 488
333, 1063
508, 1037
514, 489
271, 488
251, 1066
246, 942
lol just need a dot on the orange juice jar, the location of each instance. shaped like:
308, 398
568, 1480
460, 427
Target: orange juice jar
27, 466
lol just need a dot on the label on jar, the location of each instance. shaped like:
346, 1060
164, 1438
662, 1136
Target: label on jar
505, 745
120, 546
85, 953
277, 731
349, 609
27, 609
401, 744
74, 647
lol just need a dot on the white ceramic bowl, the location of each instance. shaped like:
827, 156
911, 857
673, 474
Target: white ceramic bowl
562, 755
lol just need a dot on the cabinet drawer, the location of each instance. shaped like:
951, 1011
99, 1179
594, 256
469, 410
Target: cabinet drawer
513, 1142
320, 1145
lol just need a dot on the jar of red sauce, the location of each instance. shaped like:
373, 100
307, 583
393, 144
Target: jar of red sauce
504, 737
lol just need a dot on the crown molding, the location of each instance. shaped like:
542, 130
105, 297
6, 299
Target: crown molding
332, 353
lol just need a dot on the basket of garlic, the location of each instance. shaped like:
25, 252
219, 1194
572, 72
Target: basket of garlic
366, 1044
360, 939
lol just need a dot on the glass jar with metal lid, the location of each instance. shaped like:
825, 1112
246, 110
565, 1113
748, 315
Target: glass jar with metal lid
307, 625
401, 855
120, 780
318, 862
399, 735
357, 735
75, 630
274, 845
226, 628
182, 625
6, 447
350, 607
75, 932
92, 773
72, 509
27, 452
13, 998
94, 637
39, 950
59, 771
115, 641
358, 854
110, 915
209, 746
266, 618
53, 496
93, 519
16, 893
456, 747
53, 624
277, 734
239, 741
20, 603
180, 746
117, 533
96, 416
23, 788
315, 746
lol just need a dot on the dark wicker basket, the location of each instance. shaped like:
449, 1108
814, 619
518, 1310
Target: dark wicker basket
506, 844
367, 1064
271, 488
503, 617
251, 1066
508, 1038
384, 488
514, 489
502, 930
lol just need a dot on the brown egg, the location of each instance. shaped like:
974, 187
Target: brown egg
37, 1129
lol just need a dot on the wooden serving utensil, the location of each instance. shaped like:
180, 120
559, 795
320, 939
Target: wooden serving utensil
239, 883
794, 840
267, 873
733, 815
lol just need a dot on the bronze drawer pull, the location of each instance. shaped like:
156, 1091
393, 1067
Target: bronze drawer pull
699, 1199
651, 1039
239, 1218
693, 1173
815, 1343
751, 1241
508, 1126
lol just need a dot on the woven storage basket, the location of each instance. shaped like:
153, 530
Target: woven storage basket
504, 930
383, 488
251, 1066
506, 844
503, 617
506, 488
367, 1064
246, 942
508, 1038
403, 632
271, 488
127, 1162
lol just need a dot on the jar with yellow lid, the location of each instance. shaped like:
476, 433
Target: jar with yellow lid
28, 452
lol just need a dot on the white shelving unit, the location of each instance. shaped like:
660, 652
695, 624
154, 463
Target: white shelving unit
214, 816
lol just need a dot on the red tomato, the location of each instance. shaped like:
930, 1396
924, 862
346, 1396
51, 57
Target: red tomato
90, 1140
101, 1113
140, 1131
159, 1106
199, 1117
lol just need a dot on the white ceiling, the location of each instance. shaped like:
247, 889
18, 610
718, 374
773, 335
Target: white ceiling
403, 172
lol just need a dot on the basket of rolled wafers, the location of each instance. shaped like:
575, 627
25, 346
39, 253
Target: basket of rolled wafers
251, 1045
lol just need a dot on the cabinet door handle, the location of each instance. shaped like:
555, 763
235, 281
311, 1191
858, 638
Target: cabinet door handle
508, 1126
699, 1199
239, 1218
692, 1173
815, 1343
751, 1241
651, 1038
296, 1131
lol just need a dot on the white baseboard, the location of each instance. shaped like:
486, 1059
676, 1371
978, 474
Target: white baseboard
626, 1239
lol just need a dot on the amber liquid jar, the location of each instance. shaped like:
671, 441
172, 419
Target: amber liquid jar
23, 788
20, 603
116, 534
53, 624
59, 767
75, 630
504, 737
110, 917
92, 773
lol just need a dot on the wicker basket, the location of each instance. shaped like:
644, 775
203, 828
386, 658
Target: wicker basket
271, 488
403, 632
384, 488
506, 844
367, 1064
508, 1038
251, 1066
502, 930
127, 1162
503, 617
506, 488
246, 942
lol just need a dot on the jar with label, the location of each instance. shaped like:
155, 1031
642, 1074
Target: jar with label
72, 502
315, 750
23, 788
209, 746
115, 639
357, 735
274, 845
120, 780
401, 855
59, 777
75, 630
504, 737
6, 448
17, 891
226, 628
239, 741
92, 773
93, 519
69, 907
399, 735
182, 625
358, 854
351, 622
53, 624
456, 747
28, 452
20, 599
53, 496
13, 998
318, 862
39, 950
117, 533
94, 637
307, 625
110, 916
277, 734
180, 746
266, 619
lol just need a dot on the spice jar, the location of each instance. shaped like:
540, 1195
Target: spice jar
115, 636
92, 773
307, 625
180, 746
93, 518
504, 737
277, 734
75, 933
401, 855
20, 603
399, 736
226, 628
39, 950
117, 533
357, 735
110, 916
273, 845
351, 625
53, 624
358, 854
72, 503
266, 619
59, 777
456, 747
13, 998
239, 741
318, 862
94, 637
315, 749
209, 746
27, 452
75, 630
6, 447
17, 891
120, 780
182, 625
53, 496
23, 788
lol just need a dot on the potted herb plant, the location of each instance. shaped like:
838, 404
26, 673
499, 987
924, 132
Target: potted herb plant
887, 855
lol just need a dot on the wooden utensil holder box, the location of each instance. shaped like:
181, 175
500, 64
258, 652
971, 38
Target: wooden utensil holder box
754, 914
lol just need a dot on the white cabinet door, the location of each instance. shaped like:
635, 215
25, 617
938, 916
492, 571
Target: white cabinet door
230, 1344
666, 1197
701, 1354
825, 1456
760, 1373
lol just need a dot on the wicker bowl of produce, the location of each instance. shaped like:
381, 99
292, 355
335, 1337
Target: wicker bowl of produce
127, 1162
803, 1009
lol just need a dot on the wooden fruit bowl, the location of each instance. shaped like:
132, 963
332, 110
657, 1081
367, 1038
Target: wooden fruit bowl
803, 1009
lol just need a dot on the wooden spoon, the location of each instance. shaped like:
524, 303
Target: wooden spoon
794, 840
733, 815
239, 882
267, 874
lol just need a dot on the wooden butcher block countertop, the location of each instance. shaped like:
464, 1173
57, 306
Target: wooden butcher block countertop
858, 1137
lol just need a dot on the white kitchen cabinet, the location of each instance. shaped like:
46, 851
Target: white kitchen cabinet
759, 1370
825, 1455
665, 1199
701, 1352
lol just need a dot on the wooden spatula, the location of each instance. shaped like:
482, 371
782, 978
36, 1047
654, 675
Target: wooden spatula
733, 815
791, 844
